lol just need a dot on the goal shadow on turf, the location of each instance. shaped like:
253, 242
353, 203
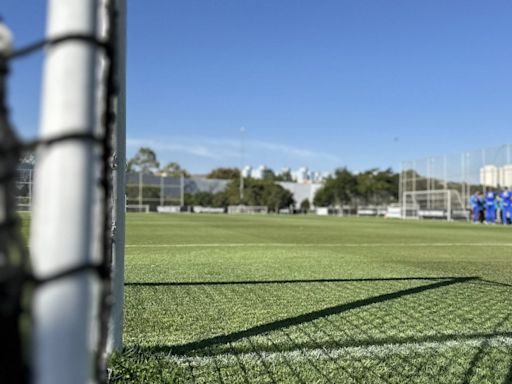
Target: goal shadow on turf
221, 344
294, 281
310, 316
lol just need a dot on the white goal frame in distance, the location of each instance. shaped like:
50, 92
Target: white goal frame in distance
64, 217
144, 208
448, 210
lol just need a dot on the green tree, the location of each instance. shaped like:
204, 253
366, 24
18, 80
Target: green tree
387, 185
150, 195
285, 176
324, 197
369, 187
224, 173
204, 199
220, 199
275, 197
344, 185
258, 192
269, 175
145, 161
366, 185
377, 187
305, 205
207, 199
174, 169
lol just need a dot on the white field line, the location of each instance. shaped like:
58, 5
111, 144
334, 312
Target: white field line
317, 245
348, 352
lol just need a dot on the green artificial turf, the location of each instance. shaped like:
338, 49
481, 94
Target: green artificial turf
287, 299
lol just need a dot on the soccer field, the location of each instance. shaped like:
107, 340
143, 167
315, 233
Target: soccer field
286, 299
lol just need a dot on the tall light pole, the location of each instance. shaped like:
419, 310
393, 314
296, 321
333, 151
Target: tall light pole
242, 131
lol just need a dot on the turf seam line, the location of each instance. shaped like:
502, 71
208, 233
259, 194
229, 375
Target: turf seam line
351, 352
318, 245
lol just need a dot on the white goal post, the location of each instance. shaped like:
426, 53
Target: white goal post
61, 344
444, 204
115, 341
72, 237
143, 208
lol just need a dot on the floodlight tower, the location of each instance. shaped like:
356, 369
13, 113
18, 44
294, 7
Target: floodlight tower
242, 131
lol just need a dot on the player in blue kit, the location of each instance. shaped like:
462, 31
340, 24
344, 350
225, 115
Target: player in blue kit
506, 205
490, 207
475, 202
498, 208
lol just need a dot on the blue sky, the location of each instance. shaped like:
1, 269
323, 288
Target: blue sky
318, 83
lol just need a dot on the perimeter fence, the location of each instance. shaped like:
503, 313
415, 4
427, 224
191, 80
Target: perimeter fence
144, 192
440, 186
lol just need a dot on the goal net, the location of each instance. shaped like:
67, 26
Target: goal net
143, 208
57, 319
441, 186
434, 204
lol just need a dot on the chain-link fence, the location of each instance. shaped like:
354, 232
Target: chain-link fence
24, 187
144, 192
440, 186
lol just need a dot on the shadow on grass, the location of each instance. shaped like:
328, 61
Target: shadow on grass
495, 282
473, 365
306, 317
294, 281
508, 379
412, 366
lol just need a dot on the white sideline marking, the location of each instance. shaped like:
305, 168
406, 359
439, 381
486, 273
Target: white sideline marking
350, 352
319, 245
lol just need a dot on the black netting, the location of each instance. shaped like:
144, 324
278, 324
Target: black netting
17, 283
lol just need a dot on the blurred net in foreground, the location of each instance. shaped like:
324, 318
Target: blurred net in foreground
49, 296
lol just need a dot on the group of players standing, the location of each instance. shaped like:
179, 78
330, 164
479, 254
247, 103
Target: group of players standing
492, 206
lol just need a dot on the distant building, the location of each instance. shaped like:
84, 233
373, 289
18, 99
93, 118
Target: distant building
259, 173
493, 176
246, 171
284, 171
302, 175
489, 176
505, 175
317, 177
301, 192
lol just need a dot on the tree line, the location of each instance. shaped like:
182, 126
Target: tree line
344, 187
373, 186
255, 192
146, 161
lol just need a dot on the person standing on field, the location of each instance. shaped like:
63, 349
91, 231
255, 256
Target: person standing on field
475, 204
506, 205
498, 208
490, 207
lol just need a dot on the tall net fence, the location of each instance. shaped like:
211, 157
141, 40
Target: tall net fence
144, 192
24, 188
23, 282
149, 191
440, 186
